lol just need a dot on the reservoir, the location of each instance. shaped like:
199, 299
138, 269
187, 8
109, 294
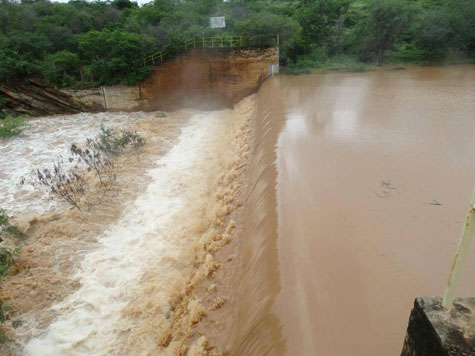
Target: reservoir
375, 173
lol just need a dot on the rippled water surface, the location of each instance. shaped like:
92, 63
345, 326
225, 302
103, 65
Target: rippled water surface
375, 173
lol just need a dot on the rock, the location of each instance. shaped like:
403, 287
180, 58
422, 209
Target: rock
434, 331
36, 99
395, 69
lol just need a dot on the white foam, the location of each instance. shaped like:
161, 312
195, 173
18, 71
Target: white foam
88, 318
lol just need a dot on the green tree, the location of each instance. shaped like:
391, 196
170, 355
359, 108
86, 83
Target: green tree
435, 32
21, 55
463, 25
115, 56
382, 28
61, 69
323, 22
9, 16
124, 4
260, 28
109, 39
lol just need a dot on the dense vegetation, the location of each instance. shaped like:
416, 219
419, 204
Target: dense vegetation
93, 43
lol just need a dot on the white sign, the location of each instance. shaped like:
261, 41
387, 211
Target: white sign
273, 69
217, 22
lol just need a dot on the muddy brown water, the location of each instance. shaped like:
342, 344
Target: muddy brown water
374, 174
354, 199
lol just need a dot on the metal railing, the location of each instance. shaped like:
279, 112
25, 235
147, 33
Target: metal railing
461, 255
159, 57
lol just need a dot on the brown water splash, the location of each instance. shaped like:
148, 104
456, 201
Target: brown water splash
56, 243
179, 301
256, 330
213, 294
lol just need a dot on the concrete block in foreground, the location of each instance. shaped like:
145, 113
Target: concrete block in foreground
433, 331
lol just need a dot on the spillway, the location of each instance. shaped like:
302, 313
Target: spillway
302, 222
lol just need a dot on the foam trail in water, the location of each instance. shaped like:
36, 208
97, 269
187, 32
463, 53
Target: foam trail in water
88, 318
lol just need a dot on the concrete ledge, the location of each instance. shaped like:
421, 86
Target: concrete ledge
433, 331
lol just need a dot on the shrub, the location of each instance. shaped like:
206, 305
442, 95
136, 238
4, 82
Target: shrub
112, 143
7, 254
7, 259
72, 184
354, 66
6, 313
6, 228
103, 168
342, 64
11, 126
295, 70
68, 185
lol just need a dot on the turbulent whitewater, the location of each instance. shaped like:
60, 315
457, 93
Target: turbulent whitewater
88, 318
44, 140
139, 274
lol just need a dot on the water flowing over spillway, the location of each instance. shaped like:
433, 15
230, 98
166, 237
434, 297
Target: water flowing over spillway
89, 318
302, 222
134, 286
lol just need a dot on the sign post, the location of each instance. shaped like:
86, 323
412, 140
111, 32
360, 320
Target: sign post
217, 22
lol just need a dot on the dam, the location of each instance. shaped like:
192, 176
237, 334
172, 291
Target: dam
304, 220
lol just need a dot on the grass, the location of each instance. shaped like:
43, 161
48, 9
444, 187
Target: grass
11, 126
401, 55
345, 64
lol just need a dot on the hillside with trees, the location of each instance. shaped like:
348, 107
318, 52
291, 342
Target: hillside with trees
93, 43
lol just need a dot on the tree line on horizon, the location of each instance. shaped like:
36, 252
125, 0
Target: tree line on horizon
82, 43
